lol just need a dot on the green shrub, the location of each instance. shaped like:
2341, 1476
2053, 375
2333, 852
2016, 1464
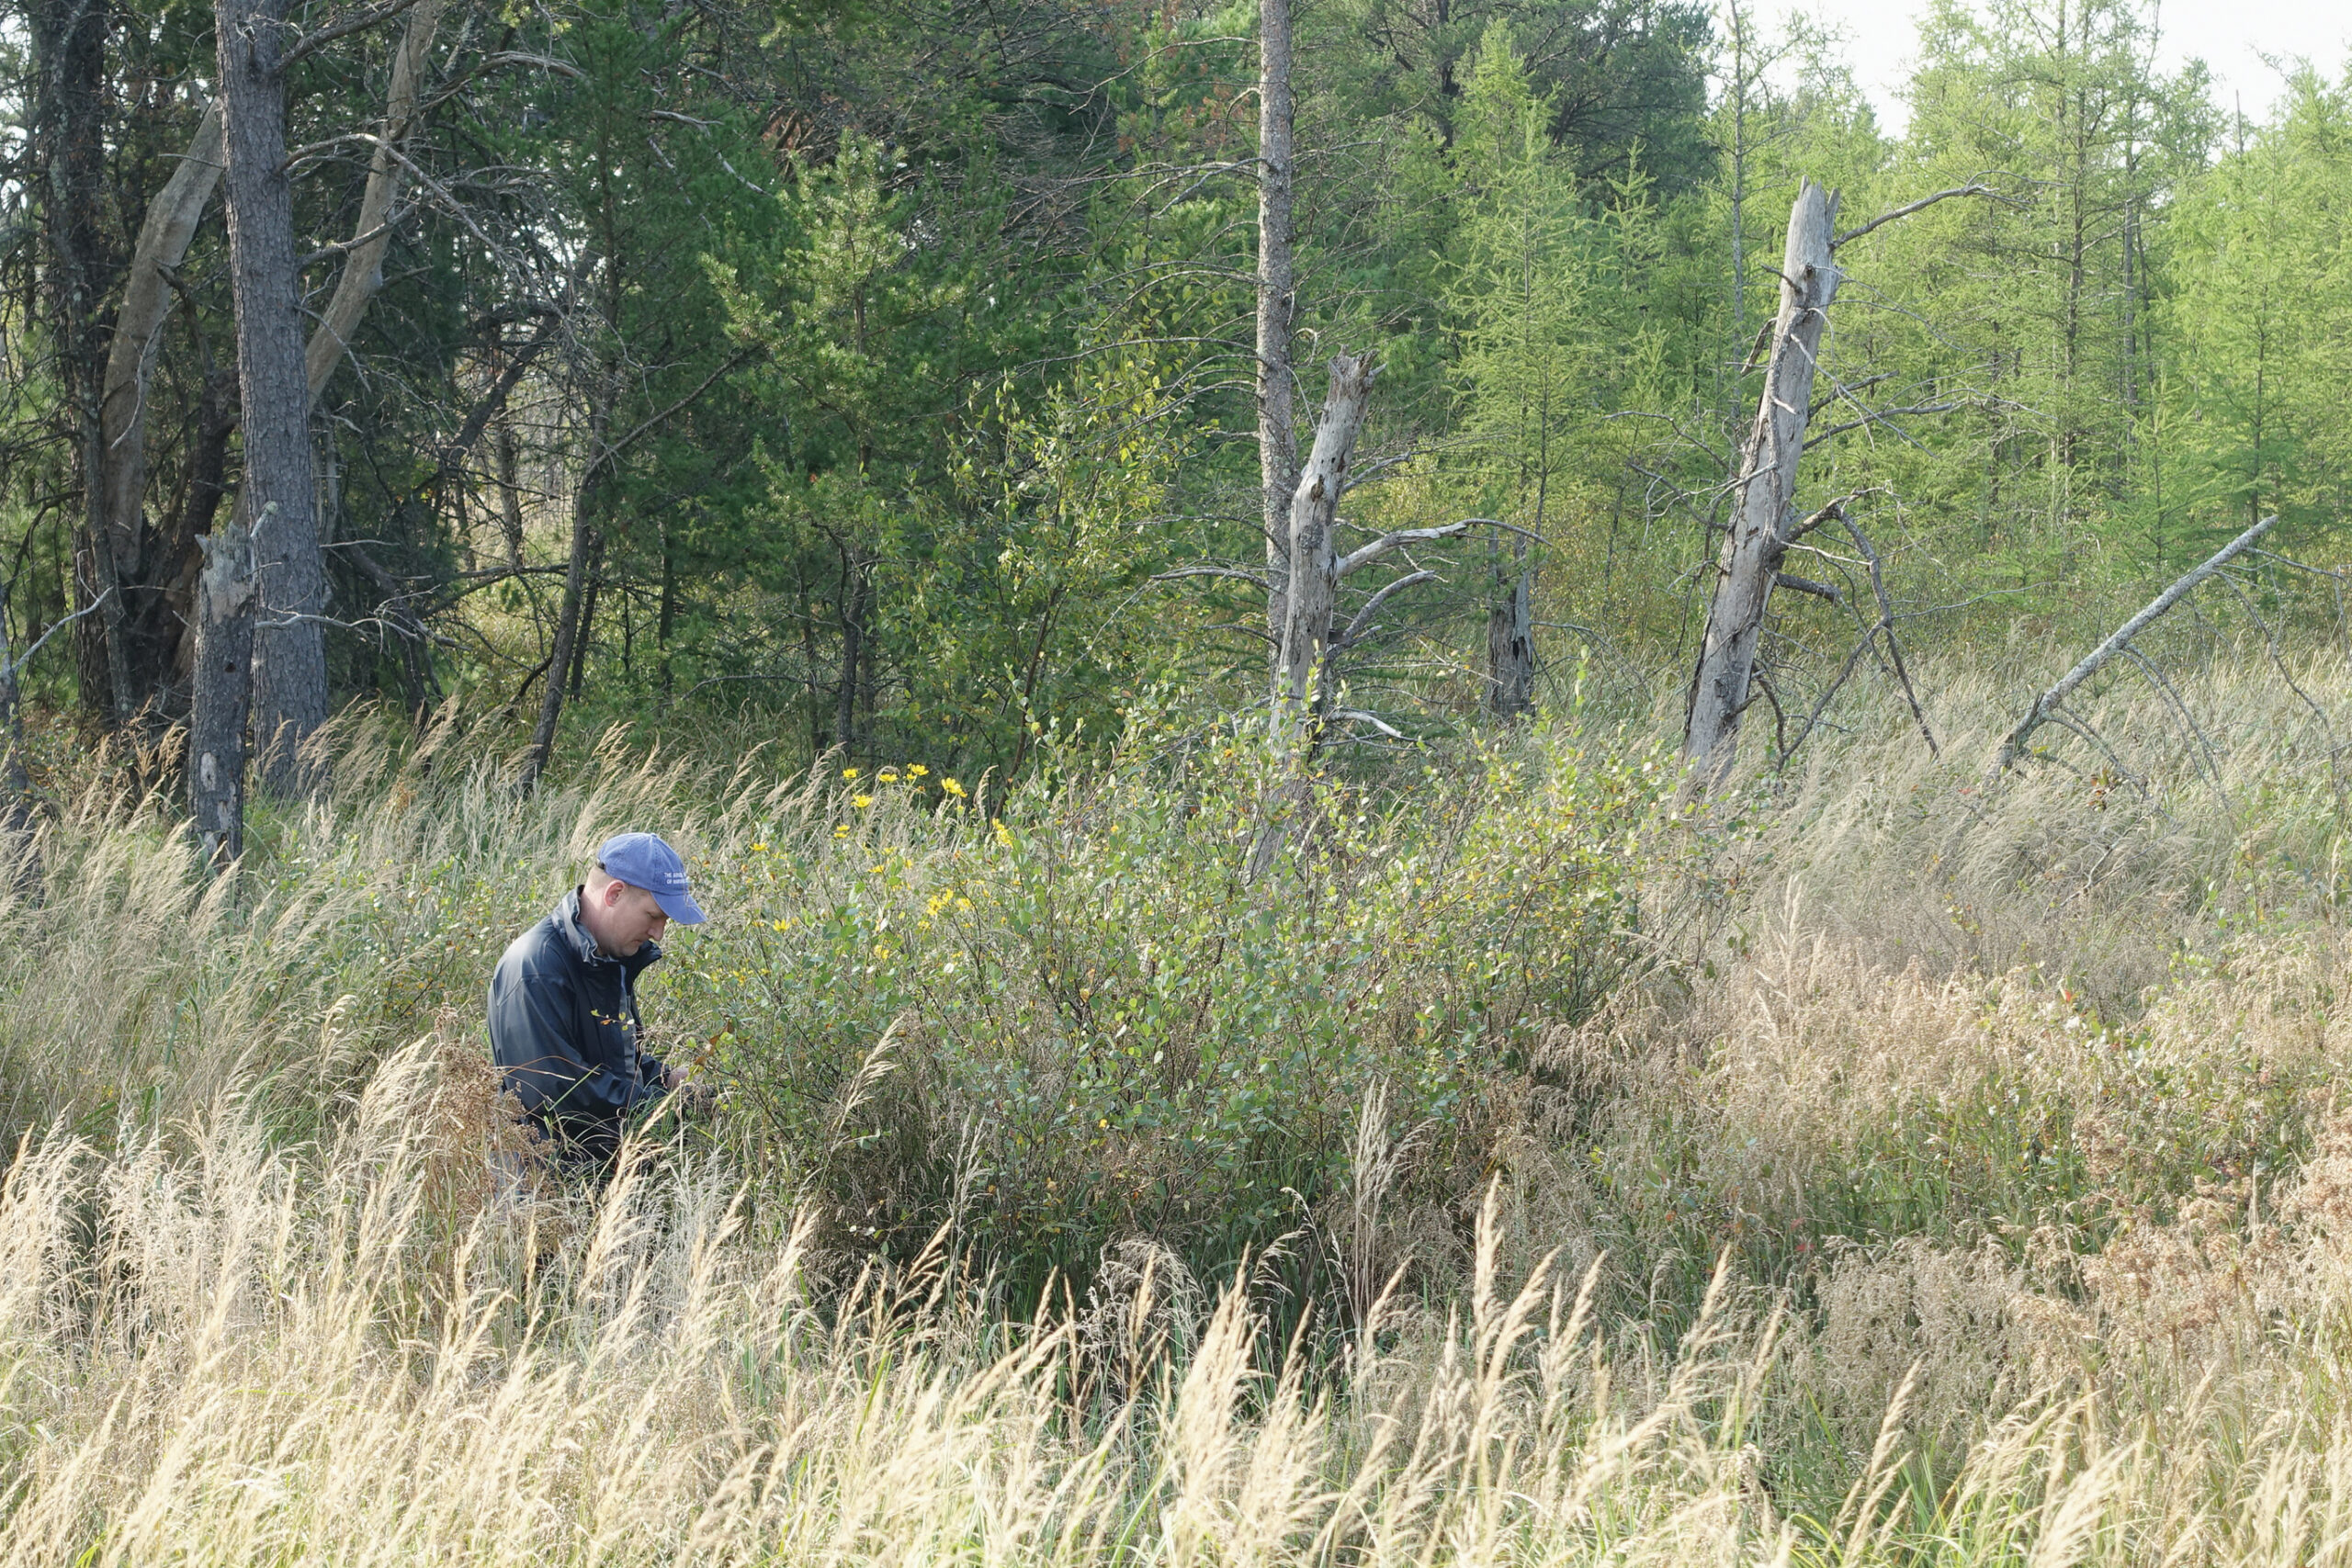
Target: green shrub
1076, 1018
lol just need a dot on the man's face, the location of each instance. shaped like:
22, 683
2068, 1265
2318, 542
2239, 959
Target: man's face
626, 919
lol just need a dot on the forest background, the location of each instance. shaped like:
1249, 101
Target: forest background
891, 373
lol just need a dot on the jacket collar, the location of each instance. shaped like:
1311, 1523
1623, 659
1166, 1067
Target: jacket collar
575, 931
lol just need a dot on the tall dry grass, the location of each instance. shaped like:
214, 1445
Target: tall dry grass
1961, 1174
244, 1353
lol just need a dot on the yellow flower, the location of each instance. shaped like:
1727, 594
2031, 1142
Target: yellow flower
849, 772
759, 849
861, 801
1004, 835
952, 787
840, 830
916, 770
886, 776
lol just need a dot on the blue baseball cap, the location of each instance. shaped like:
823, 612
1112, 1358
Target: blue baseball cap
642, 860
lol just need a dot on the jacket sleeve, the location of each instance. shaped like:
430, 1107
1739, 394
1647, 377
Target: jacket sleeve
651, 1069
530, 1037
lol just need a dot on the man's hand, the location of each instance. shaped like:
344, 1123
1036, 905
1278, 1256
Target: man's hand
692, 1096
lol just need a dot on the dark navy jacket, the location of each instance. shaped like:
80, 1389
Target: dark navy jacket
564, 1028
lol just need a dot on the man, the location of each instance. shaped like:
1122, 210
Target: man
564, 1021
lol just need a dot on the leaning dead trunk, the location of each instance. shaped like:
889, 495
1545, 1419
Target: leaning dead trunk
1764, 494
151, 566
164, 237
2045, 706
290, 674
1277, 293
1301, 677
216, 734
363, 270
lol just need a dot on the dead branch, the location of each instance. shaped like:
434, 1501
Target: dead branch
1907, 208
1364, 554
2189, 721
1832, 512
1372, 720
1886, 619
363, 274
2045, 707
311, 43
1886, 417
1807, 585
1360, 624
1255, 579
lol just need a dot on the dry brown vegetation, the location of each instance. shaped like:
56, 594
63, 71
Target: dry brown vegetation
1954, 1170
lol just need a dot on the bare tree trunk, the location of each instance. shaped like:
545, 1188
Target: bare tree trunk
181, 539
586, 635
668, 614
1510, 631
152, 570
1301, 674
1303, 656
1277, 303
216, 731
575, 587
509, 494
290, 677
143, 567
19, 860
363, 270
1765, 492
855, 583
68, 41
567, 633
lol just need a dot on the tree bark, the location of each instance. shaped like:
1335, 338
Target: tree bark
154, 570
216, 731
166, 626
1277, 303
1510, 631
288, 665
1764, 492
1301, 674
68, 41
